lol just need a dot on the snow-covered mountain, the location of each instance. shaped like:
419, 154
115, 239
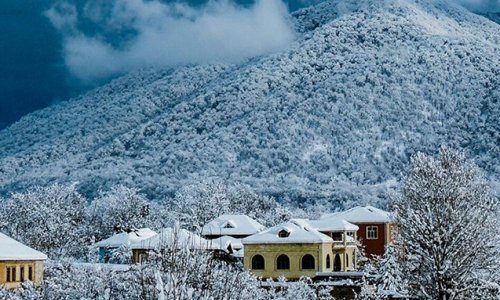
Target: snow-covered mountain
366, 84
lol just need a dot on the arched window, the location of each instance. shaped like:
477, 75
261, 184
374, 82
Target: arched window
283, 262
337, 264
258, 262
308, 262
328, 261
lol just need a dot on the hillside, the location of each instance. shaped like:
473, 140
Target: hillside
338, 114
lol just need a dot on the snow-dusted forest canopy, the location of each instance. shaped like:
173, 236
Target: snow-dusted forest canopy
336, 116
441, 205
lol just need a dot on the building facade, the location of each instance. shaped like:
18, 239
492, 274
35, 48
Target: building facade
295, 249
19, 263
375, 227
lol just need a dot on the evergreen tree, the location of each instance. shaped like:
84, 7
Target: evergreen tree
390, 278
448, 225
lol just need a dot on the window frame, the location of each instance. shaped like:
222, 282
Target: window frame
256, 256
278, 267
11, 273
313, 262
370, 229
283, 233
30, 273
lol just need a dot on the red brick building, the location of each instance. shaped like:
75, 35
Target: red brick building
375, 227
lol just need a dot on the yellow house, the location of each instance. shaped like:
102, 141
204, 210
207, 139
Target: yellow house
19, 263
291, 250
344, 245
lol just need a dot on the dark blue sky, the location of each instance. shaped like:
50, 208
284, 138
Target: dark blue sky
32, 73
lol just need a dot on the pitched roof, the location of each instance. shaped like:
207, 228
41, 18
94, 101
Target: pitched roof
11, 249
126, 239
332, 224
232, 225
361, 214
169, 237
298, 230
224, 241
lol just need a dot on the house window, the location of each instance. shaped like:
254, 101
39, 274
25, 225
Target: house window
328, 261
30, 273
283, 262
283, 233
258, 262
337, 265
228, 225
337, 236
372, 232
11, 274
308, 262
21, 271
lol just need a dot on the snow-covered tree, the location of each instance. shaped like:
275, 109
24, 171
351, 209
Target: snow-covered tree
118, 210
390, 279
195, 205
50, 219
448, 225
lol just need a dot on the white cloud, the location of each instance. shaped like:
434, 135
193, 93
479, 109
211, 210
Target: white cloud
169, 34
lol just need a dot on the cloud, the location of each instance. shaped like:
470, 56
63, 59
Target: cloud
481, 5
166, 34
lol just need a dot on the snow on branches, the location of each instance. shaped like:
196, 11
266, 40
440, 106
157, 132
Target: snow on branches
448, 224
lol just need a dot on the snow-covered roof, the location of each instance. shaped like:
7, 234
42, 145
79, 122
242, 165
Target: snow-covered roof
126, 239
240, 253
11, 249
332, 224
361, 214
168, 237
297, 231
223, 243
232, 225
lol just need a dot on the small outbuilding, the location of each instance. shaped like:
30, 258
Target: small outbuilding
19, 263
122, 240
168, 239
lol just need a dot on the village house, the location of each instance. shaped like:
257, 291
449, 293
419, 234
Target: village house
375, 227
228, 230
343, 235
19, 263
236, 226
122, 240
292, 249
170, 239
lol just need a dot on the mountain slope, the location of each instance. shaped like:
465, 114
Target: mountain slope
366, 84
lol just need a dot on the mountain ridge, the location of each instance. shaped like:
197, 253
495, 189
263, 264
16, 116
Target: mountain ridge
337, 115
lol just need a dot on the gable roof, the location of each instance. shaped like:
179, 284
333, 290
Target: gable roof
232, 225
11, 249
362, 214
169, 237
224, 243
126, 239
299, 232
332, 224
